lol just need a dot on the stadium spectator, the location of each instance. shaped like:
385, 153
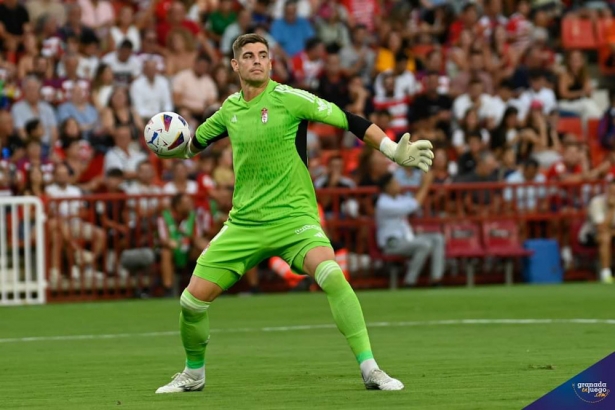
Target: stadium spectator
102, 87
99, 15
194, 90
405, 82
15, 22
500, 57
538, 91
180, 183
526, 198
575, 88
333, 84
151, 92
476, 98
26, 61
73, 26
222, 17
357, 58
538, 140
124, 29
434, 64
476, 71
507, 133
606, 129
492, 18
34, 158
181, 238
11, 144
234, 30
88, 57
469, 125
432, 105
363, 12
124, 155
78, 157
466, 20
334, 178
175, 19
39, 9
466, 162
391, 53
519, 26
150, 50
398, 105
81, 110
330, 26
395, 235
143, 209
126, 66
600, 229
408, 177
307, 66
291, 32
72, 221
32, 107
481, 201
180, 52
534, 59
68, 76
120, 113
441, 167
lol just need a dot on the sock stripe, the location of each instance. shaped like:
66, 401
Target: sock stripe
190, 302
324, 270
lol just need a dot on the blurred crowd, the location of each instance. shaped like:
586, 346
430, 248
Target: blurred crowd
487, 81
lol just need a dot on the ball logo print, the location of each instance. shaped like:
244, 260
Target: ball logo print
166, 134
591, 392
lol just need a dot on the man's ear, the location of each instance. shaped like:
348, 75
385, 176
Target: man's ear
235, 65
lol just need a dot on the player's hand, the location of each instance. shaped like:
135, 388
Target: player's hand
188, 153
417, 154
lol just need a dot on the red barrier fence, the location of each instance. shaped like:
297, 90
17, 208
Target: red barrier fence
105, 246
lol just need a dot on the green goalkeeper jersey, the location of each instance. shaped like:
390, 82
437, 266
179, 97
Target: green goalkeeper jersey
269, 139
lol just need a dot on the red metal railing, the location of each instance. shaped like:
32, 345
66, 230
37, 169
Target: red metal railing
88, 236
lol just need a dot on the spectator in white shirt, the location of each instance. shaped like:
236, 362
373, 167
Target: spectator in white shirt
600, 229
538, 91
395, 235
527, 198
475, 97
499, 103
68, 216
151, 92
125, 65
144, 209
124, 156
180, 183
125, 29
405, 82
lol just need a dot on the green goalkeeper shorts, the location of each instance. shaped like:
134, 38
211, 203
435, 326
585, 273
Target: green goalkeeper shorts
237, 248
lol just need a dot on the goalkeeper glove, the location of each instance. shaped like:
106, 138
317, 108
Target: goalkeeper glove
417, 154
188, 152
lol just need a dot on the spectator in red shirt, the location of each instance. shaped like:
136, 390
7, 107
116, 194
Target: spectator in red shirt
467, 20
492, 18
397, 104
307, 66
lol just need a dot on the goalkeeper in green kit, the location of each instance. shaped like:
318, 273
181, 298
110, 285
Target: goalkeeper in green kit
274, 206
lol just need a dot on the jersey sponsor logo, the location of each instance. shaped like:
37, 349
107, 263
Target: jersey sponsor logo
264, 115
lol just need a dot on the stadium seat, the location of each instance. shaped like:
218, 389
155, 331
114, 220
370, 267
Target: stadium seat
463, 242
603, 26
395, 262
501, 239
426, 227
571, 125
578, 33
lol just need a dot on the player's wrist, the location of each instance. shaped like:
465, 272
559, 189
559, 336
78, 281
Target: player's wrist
388, 148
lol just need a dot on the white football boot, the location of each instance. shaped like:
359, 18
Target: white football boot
379, 380
182, 383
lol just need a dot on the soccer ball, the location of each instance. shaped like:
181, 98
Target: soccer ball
166, 134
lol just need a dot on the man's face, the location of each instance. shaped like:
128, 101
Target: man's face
475, 145
244, 19
150, 69
572, 155
475, 91
290, 13
177, 13
476, 62
145, 173
122, 137
317, 52
123, 54
185, 205
180, 172
201, 67
71, 64
359, 36
389, 84
336, 166
393, 188
61, 175
432, 83
333, 64
435, 62
113, 183
530, 172
536, 83
31, 91
253, 63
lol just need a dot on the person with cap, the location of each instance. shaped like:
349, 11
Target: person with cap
395, 235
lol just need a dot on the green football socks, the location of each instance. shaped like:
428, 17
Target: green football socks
194, 329
346, 308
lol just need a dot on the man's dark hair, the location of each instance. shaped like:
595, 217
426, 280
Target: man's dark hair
126, 44
383, 112
31, 125
531, 162
245, 39
474, 134
536, 74
401, 56
507, 84
312, 43
115, 173
176, 199
203, 57
384, 181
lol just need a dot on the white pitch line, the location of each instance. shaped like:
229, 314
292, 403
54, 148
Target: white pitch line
452, 322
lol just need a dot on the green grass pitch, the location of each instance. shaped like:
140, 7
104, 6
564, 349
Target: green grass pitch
279, 352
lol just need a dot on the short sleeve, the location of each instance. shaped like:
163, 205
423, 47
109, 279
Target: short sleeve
212, 130
307, 106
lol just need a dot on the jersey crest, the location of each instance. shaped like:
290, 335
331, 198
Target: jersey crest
264, 115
